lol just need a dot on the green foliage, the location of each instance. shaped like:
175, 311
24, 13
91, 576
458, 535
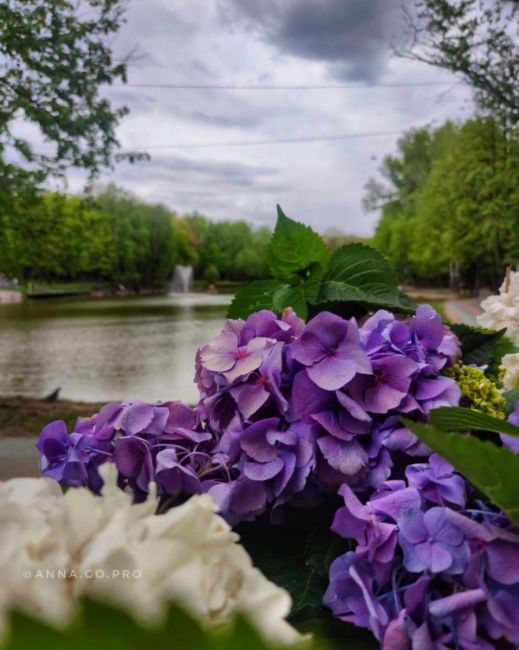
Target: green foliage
257, 295
492, 469
56, 56
114, 238
237, 251
452, 217
295, 250
211, 274
457, 418
296, 554
109, 628
358, 273
308, 279
476, 40
477, 345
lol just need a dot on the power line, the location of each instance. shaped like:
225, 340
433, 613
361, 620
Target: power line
431, 84
253, 143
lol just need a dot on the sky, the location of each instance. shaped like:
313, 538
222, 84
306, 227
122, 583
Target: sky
211, 149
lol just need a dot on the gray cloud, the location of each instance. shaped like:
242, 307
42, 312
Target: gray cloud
226, 120
266, 41
234, 172
352, 36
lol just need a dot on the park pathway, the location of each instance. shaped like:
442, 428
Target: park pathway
463, 310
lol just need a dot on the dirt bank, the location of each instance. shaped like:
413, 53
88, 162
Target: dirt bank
21, 417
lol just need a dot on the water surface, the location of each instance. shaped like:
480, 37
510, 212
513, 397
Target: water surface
104, 350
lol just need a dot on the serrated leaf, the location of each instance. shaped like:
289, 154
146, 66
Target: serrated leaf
477, 345
358, 273
492, 469
253, 297
311, 281
291, 297
457, 418
332, 291
294, 248
363, 268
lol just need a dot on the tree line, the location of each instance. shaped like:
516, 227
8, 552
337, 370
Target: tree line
449, 204
116, 239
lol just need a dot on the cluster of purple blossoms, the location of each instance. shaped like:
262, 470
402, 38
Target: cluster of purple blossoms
433, 569
288, 412
300, 410
163, 443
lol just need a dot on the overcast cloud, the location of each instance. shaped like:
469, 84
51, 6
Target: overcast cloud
268, 42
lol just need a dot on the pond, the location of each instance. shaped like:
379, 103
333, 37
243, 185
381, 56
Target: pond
138, 348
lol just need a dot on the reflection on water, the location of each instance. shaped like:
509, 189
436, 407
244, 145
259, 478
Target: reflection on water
103, 350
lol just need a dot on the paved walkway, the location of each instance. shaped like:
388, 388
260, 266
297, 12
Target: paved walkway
463, 311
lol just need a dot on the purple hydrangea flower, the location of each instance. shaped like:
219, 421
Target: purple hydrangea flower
279, 459
425, 339
350, 594
438, 482
225, 355
329, 348
431, 542
433, 393
260, 380
134, 459
397, 438
387, 387
70, 459
132, 418
174, 477
238, 500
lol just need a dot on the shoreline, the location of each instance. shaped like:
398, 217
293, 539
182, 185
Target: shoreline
22, 417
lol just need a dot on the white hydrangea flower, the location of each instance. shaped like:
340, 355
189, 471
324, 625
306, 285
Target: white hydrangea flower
510, 363
55, 547
502, 311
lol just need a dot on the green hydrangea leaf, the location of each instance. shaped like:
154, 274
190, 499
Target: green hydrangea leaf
332, 291
478, 346
364, 268
358, 273
294, 250
492, 469
294, 297
253, 297
456, 418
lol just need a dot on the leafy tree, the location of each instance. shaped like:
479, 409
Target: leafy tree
477, 39
211, 274
468, 205
454, 215
54, 57
236, 250
115, 238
